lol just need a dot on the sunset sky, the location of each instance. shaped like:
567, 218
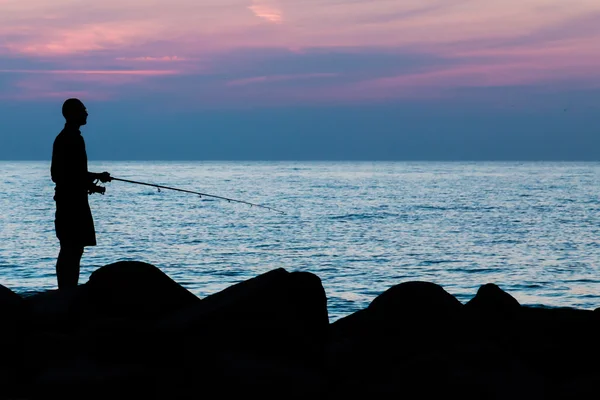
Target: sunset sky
304, 76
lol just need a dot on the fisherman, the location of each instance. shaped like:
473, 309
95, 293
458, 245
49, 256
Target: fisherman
74, 223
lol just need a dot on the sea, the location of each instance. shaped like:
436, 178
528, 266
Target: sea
532, 228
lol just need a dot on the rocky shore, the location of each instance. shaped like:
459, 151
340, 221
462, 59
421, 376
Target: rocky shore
132, 332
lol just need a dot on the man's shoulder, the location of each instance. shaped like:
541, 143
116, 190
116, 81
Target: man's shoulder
60, 140
66, 137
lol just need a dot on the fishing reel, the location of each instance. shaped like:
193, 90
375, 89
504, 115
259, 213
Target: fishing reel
95, 188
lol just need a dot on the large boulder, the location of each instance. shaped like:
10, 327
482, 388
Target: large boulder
55, 310
12, 327
82, 378
279, 314
10, 303
492, 301
413, 302
237, 375
135, 290
493, 315
560, 342
118, 307
464, 372
410, 309
121, 341
410, 323
12, 308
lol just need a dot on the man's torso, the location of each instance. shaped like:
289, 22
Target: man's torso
69, 166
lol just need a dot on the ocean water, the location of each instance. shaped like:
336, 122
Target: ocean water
531, 228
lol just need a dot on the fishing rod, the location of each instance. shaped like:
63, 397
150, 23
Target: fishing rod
197, 193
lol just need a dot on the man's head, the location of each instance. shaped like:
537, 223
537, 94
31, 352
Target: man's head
74, 112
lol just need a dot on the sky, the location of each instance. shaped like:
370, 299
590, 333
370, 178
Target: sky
304, 79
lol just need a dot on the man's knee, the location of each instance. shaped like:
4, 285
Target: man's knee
71, 250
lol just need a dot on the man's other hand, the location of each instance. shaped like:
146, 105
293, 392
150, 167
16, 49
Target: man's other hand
96, 189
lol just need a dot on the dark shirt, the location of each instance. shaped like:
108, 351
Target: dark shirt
69, 168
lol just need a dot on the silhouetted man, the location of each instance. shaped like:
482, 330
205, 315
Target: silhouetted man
74, 223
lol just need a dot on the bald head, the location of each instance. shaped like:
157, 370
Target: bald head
74, 112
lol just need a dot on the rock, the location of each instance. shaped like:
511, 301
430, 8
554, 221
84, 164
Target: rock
10, 303
55, 310
235, 375
278, 314
45, 349
12, 313
580, 387
482, 369
132, 332
12, 325
474, 370
350, 327
493, 315
135, 290
412, 302
411, 308
562, 343
492, 300
81, 378
121, 340
400, 327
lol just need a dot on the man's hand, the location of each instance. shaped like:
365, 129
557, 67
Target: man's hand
104, 177
96, 189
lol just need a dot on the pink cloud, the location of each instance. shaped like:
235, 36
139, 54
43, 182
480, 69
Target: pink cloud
81, 38
277, 78
149, 58
183, 24
40, 94
91, 84
268, 10
441, 82
37, 87
465, 76
91, 72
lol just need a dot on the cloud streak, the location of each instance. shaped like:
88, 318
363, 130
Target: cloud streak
277, 78
90, 72
149, 58
267, 10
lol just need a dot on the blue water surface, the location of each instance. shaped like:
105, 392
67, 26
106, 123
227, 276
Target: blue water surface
531, 228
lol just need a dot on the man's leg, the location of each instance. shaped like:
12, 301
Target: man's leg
67, 266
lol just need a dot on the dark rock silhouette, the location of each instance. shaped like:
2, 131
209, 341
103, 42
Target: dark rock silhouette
492, 300
132, 332
12, 327
134, 290
273, 325
414, 301
397, 344
54, 310
10, 302
493, 315
268, 310
12, 313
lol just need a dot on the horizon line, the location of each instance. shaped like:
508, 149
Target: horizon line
325, 160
